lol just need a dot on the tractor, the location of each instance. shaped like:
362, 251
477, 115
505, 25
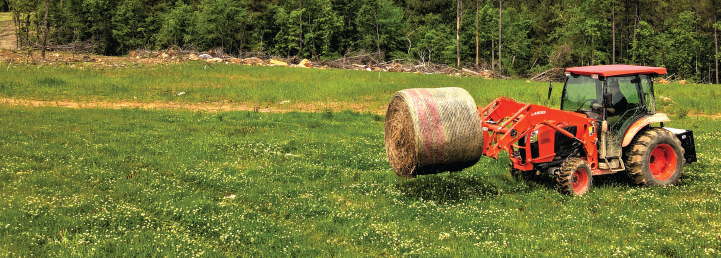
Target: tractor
607, 123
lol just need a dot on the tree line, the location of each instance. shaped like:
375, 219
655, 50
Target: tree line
515, 37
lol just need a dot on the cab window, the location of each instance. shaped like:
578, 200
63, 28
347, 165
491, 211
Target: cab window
646, 85
580, 91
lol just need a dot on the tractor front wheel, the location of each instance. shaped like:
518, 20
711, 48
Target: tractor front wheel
655, 158
575, 177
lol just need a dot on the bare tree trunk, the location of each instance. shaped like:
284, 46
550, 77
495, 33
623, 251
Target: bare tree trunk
458, 32
635, 29
500, 29
240, 48
715, 38
698, 47
613, 26
378, 36
585, 43
593, 49
624, 33
493, 55
16, 20
300, 23
27, 29
45, 32
477, 32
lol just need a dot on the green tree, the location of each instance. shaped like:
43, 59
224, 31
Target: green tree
98, 17
221, 23
380, 23
322, 24
176, 27
517, 44
288, 31
429, 31
132, 26
680, 45
436, 40
488, 32
586, 32
24, 12
645, 45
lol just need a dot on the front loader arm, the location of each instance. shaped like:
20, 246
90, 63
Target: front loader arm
506, 121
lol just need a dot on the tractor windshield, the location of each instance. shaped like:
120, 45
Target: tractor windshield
580, 92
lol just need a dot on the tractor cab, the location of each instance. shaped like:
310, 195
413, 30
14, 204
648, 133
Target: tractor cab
617, 94
620, 98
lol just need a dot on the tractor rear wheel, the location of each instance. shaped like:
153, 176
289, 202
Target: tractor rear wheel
575, 177
655, 158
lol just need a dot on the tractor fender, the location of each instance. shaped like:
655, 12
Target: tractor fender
640, 124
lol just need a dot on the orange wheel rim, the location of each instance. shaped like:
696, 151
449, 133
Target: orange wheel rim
580, 180
662, 162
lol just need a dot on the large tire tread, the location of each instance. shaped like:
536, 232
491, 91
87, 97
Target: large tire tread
637, 157
564, 179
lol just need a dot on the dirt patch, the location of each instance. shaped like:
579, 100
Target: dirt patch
712, 116
7, 35
282, 107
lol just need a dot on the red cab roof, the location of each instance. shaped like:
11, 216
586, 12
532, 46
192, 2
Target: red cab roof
615, 70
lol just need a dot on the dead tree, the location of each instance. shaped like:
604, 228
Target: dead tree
300, 24
613, 28
500, 30
477, 32
45, 28
459, 13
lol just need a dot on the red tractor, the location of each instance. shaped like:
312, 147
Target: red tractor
607, 123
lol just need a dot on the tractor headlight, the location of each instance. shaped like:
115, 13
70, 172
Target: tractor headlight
534, 136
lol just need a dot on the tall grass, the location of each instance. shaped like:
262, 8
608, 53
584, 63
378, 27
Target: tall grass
268, 86
129, 182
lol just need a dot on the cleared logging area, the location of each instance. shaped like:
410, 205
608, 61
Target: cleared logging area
134, 182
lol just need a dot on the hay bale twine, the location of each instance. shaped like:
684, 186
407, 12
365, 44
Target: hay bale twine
429, 131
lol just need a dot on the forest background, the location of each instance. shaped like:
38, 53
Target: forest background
514, 37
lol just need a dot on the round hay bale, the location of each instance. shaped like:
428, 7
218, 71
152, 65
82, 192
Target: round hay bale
429, 131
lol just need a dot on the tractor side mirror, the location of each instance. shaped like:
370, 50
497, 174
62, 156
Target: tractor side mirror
550, 89
607, 99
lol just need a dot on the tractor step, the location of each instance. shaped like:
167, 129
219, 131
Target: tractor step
613, 164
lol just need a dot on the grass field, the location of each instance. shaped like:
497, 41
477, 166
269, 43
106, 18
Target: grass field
269, 86
133, 182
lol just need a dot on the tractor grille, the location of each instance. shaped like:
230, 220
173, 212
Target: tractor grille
534, 149
560, 146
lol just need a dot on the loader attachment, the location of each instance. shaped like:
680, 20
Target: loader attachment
536, 137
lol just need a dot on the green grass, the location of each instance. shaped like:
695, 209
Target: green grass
133, 182
97, 182
268, 86
249, 84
